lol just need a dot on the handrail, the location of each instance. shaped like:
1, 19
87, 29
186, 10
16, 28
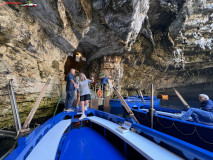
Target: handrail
14, 107
15, 114
97, 86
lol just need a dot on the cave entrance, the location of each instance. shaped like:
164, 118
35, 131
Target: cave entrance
76, 61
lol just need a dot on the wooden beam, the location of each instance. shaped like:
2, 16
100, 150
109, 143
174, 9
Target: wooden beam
142, 96
125, 104
35, 107
181, 98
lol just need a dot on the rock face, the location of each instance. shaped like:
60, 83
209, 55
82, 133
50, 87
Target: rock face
173, 47
32, 49
136, 42
182, 54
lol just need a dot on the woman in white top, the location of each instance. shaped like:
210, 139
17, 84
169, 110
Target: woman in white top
84, 93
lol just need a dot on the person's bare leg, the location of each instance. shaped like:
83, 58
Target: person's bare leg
82, 107
78, 99
85, 104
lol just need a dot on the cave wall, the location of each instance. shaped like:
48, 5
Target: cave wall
184, 26
33, 47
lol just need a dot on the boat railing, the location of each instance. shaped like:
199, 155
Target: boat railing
96, 87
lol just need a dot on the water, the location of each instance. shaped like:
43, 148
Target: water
5, 144
190, 94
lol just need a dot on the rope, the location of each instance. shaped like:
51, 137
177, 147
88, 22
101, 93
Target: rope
138, 116
185, 134
173, 124
150, 121
163, 125
203, 139
56, 108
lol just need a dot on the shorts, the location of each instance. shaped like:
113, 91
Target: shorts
85, 97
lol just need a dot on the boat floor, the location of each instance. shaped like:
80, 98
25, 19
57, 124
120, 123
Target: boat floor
86, 143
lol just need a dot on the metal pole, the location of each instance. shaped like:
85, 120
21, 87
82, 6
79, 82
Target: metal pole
8, 133
13, 110
102, 88
14, 107
151, 106
95, 91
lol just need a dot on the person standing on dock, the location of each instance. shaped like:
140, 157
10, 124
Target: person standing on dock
84, 93
104, 82
204, 114
70, 89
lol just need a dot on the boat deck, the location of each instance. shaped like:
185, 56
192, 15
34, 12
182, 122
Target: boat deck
87, 144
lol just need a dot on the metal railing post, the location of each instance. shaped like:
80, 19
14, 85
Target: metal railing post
15, 114
102, 88
14, 107
95, 91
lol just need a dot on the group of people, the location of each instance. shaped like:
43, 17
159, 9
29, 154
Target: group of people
83, 90
203, 114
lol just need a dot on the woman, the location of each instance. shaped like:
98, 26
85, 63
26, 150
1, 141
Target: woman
84, 93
